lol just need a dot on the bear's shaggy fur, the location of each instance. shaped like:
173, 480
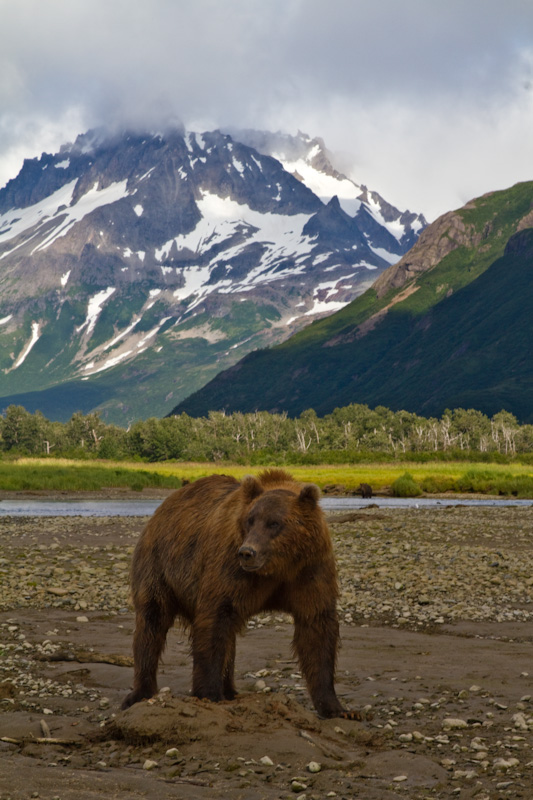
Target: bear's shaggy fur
217, 552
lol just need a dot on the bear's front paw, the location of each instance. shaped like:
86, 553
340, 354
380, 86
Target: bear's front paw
358, 716
135, 697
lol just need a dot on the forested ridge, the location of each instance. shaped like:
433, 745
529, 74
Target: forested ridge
350, 433
448, 326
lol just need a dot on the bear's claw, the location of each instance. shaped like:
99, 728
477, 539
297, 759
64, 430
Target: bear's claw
359, 716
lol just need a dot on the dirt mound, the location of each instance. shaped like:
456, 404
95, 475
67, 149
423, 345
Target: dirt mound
239, 725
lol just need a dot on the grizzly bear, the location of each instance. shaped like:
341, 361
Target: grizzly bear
366, 490
217, 552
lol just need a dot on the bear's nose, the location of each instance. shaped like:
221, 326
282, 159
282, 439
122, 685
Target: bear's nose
247, 553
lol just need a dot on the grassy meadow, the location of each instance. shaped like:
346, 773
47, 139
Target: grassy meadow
26, 474
71, 476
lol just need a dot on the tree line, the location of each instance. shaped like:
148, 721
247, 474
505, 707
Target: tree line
347, 434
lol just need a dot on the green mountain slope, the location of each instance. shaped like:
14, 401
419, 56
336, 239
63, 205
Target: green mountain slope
183, 360
448, 326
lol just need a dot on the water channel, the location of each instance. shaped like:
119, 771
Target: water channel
141, 508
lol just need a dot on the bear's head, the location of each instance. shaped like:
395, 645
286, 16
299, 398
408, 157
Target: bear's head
282, 529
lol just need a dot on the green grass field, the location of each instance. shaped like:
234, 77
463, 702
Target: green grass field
29, 475
432, 477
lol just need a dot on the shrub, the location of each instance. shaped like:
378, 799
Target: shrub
483, 481
437, 484
406, 486
518, 486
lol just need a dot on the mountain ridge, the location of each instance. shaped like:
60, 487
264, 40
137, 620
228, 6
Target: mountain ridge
447, 326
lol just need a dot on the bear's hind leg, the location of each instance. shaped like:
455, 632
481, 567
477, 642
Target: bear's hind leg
230, 692
152, 624
315, 643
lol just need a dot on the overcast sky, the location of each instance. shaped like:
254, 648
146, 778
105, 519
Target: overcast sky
429, 103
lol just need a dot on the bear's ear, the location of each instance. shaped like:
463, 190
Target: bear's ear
309, 495
251, 488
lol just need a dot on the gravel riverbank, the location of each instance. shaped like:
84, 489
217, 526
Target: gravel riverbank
436, 610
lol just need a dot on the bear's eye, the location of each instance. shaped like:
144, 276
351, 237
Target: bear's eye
251, 521
273, 525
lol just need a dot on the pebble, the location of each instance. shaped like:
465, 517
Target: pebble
519, 721
464, 774
504, 764
452, 723
298, 786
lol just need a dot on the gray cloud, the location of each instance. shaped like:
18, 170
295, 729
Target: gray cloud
428, 103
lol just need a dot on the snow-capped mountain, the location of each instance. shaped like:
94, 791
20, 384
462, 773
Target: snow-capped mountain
136, 267
310, 162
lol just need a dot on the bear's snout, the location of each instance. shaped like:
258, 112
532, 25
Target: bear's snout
247, 552
250, 559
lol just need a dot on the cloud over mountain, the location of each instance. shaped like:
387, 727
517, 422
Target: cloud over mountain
431, 103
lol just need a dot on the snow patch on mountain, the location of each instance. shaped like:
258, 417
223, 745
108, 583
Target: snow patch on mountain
17, 221
35, 332
222, 217
94, 309
324, 306
89, 202
391, 258
56, 207
134, 345
194, 280
90, 368
395, 226
323, 185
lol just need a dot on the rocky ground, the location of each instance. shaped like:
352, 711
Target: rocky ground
437, 628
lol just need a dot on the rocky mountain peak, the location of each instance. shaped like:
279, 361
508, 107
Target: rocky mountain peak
131, 256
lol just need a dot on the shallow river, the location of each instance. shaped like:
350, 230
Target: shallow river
141, 508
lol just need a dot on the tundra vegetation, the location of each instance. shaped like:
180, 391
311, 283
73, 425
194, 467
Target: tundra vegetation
462, 451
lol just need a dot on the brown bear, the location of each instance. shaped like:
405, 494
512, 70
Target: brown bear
215, 553
366, 490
